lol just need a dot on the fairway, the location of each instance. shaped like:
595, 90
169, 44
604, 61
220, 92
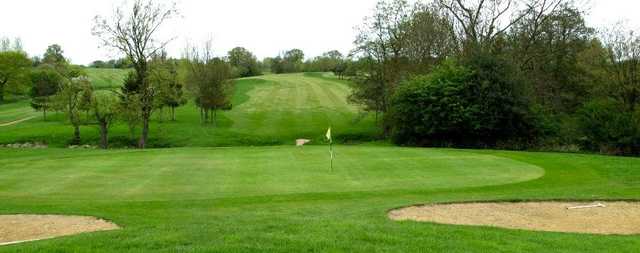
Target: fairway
267, 110
182, 174
103, 78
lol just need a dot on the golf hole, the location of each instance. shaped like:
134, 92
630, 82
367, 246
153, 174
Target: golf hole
609, 218
25, 228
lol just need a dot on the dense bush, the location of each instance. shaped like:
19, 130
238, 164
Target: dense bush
609, 127
461, 106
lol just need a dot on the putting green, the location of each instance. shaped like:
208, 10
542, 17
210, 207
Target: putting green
189, 173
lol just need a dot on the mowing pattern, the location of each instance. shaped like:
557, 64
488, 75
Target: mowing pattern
106, 78
231, 172
15, 112
267, 110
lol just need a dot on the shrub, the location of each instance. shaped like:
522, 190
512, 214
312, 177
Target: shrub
461, 106
609, 127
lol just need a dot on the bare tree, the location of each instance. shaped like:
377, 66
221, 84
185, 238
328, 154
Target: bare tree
623, 46
479, 22
133, 33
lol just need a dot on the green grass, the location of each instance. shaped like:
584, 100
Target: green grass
106, 78
16, 111
267, 110
284, 199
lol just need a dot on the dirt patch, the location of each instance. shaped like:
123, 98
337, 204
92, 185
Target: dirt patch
23, 228
621, 218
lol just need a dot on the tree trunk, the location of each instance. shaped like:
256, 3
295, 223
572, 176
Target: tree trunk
76, 135
145, 131
104, 135
1, 93
173, 113
44, 108
215, 117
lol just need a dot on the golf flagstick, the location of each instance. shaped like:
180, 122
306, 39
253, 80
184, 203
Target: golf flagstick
328, 135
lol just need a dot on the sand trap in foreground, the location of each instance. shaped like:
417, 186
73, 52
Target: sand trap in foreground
24, 228
615, 218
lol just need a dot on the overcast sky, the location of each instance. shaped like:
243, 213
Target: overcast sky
265, 27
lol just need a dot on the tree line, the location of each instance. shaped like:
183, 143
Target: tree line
505, 73
155, 81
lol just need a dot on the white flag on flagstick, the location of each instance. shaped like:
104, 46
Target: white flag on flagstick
329, 134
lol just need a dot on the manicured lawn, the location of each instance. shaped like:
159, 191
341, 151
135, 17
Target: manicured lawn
267, 110
285, 199
16, 111
106, 78
199, 198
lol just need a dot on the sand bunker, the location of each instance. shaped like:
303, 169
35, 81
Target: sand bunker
621, 218
24, 228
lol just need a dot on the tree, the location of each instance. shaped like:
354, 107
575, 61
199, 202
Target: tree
105, 107
243, 62
478, 23
15, 67
46, 82
164, 77
454, 105
623, 48
130, 107
380, 45
209, 79
7, 45
293, 60
54, 56
69, 100
558, 55
134, 33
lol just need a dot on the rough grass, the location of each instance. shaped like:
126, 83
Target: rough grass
280, 199
267, 110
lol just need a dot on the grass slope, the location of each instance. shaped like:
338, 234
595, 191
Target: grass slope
281, 199
268, 110
16, 111
106, 78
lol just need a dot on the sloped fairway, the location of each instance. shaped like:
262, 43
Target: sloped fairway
281, 199
267, 110
16, 111
106, 78
182, 174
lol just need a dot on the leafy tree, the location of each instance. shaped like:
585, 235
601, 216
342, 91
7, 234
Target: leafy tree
15, 67
130, 107
69, 99
134, 33
243, 62
327, 62
46, 82
209, 79
381, 45
164, 76
292, 61
54, 56
558, 55
456, 105
106, 108
610, 127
